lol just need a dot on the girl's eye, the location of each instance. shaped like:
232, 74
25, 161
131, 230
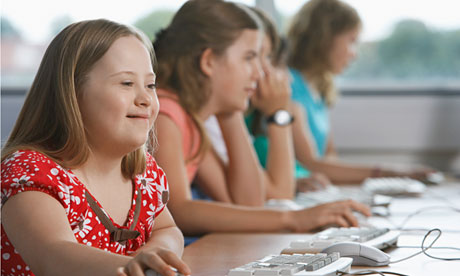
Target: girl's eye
152, 86
250, 56
128, 83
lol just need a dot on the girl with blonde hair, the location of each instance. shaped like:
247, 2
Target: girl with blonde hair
77, 180
322, 41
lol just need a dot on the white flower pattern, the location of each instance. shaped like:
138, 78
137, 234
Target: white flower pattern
147, 184
85, 228
21, 182
30, 170
151, 215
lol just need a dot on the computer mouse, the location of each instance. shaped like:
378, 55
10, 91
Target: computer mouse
361, 254
434, 178
151, 272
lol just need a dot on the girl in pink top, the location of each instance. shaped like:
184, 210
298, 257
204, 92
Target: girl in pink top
209, 65
80, 193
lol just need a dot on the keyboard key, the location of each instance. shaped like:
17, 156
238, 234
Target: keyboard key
291, 265
377, 237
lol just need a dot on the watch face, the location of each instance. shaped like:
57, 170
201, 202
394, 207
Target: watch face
282, 117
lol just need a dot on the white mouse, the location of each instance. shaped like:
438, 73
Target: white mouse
361, 254
151, 272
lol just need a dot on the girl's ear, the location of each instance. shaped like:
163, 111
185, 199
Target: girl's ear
207, 62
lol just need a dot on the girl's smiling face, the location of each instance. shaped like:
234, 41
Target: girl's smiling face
118, 101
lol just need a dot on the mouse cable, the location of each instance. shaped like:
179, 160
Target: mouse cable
368, 272
424, 249
421, 210
439, 196
387, 245
424, 230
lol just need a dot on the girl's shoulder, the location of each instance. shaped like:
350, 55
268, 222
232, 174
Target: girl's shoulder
153, 184
171, 108
29, 161
170, 105
28, 170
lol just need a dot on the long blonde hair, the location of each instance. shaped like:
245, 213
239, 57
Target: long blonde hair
198, 25
311, 37
50, 121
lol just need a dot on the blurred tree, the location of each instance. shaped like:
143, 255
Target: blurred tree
410, 49
153, 22
411, 52
8, 30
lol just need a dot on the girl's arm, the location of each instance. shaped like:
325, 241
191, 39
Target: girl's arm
165, 234
331, 153
274, 94
277, 178
35, 221
244, 177
279, 174
306, 154
211, 183
198, 217
243, 181
165, 245
240, 179
338, 172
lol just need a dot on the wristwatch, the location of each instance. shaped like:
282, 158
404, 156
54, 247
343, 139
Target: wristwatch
281, 117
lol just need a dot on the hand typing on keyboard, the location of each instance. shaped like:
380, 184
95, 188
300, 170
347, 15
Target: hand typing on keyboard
315, 182
338, 213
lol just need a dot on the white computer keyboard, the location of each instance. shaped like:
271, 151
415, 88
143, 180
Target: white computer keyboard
333, 193
394, 186
377, 237
299, 265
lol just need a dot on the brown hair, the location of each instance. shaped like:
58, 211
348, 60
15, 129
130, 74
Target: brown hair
311, 36
50, 120
198, 25
270, 31
256, 126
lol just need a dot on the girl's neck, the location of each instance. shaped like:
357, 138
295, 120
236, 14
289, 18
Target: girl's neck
309, 77
207, 110
100, 168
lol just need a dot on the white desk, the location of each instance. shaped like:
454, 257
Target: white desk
215, 254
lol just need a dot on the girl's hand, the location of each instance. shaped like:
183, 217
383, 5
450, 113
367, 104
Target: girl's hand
336, 213
159, 259
421, 173
273, 90
315, 182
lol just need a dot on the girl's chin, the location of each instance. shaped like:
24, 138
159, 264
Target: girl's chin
245, 105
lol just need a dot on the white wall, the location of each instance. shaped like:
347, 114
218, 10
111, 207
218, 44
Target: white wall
399, 128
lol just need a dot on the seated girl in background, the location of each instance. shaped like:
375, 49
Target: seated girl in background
209, 65
76, 178
322, 41
258, 122
271, 97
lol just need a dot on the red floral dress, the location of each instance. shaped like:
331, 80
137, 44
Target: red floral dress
32, 171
